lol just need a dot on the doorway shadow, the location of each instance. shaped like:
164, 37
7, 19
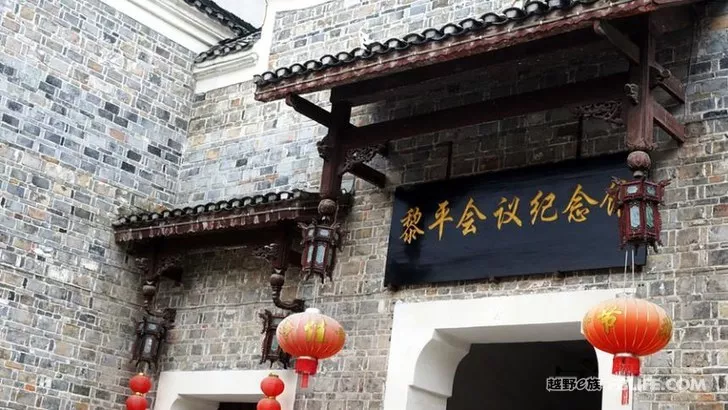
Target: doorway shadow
514, 376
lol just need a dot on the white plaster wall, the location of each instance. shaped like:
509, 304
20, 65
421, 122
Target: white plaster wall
204, 390
252, 11
429, 339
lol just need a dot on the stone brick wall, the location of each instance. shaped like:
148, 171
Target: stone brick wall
222, 291
93, 117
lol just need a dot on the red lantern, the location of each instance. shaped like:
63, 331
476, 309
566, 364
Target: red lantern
140, 384
628, 328
136, 402
268, 404
272, 386
309, 337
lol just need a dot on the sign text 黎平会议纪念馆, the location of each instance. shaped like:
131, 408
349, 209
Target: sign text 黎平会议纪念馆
539, 220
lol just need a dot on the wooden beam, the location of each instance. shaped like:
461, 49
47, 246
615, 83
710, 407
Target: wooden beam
620, 41
669, 123
639, 103
369, 174
309, 109
660, 76
675, 3
376, 89
334, 152
672, 86
596, 90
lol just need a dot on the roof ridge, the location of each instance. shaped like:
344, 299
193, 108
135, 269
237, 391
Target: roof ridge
229, 46
228, 19
469, 25
217, 206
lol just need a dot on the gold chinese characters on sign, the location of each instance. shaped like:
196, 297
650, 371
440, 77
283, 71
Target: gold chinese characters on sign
543, 209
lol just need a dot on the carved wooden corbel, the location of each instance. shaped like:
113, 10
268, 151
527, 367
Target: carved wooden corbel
324, 148
633, 93
277, 254
358, 156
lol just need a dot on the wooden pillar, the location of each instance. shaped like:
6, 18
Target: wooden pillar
639, 103
332, 150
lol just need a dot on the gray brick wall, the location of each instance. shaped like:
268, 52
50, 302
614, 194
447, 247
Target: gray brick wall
93, 117
94, 114
258, 152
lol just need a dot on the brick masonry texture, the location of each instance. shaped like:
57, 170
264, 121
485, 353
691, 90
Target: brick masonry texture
93, 117
238, 146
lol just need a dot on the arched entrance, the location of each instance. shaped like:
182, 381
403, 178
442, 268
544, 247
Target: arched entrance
515, 376
206, 390
430, 339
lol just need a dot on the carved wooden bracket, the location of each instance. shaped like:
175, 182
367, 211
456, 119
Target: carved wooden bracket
633, 93
324, 149
358, 156
278, 255
153, 270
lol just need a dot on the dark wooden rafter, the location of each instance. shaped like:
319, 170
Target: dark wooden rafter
334, 157
669, 123
641, 109
310, 110
659, 76
394, 84
377, 68
639, 100
332, 151
596, 90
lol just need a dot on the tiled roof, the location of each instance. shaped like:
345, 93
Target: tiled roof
470, 26
212, 207
228, 46
228, 19
251, 212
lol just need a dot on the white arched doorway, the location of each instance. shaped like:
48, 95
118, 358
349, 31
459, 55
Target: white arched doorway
430, 339
204, 390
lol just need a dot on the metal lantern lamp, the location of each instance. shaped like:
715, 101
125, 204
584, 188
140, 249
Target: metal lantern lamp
320, 241
638, 201
151, 332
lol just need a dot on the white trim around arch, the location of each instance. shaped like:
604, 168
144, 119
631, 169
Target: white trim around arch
204, 390
430, 339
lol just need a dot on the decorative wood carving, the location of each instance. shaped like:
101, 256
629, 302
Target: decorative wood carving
278, 255
153, 270
361, 155
324, 149
633, 93
270, 351
268, 252
277, 279
610, 111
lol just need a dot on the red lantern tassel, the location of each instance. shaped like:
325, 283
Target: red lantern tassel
625, 394
304, 381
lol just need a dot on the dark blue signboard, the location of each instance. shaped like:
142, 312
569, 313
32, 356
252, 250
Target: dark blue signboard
554, 218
